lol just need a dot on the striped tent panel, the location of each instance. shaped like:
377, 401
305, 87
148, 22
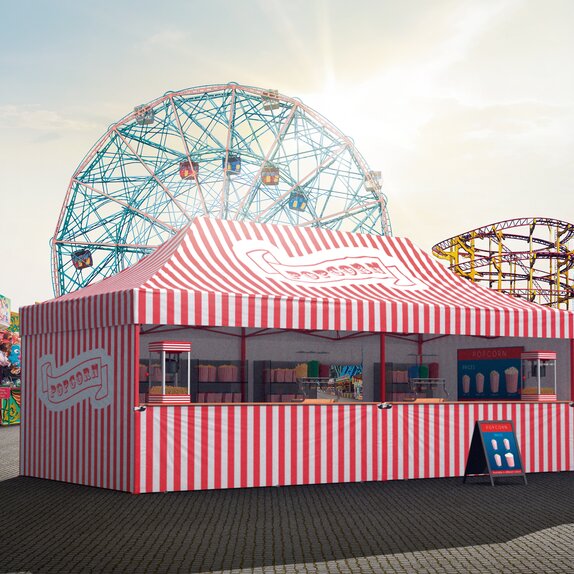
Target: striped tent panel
75, 441
213, 447
79, 313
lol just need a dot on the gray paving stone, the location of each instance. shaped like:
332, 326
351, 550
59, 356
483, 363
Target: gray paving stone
433, 526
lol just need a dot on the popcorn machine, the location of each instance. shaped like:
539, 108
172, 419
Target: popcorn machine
538, 376
169, 380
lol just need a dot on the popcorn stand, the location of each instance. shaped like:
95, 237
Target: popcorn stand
184, 371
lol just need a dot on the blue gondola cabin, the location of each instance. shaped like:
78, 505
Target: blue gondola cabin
82, 259
188, 170
233, 164
297, 201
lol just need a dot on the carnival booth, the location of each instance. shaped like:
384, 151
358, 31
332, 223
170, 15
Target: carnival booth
240, 355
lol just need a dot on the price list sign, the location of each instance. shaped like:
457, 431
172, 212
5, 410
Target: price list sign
494, 451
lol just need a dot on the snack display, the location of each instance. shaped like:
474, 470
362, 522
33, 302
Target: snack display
511, 376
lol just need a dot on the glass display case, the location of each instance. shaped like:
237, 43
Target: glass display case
538, 376
169, 372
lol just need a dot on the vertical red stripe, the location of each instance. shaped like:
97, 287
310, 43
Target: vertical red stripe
294, 435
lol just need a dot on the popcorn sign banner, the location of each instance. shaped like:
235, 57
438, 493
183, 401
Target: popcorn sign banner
87, 375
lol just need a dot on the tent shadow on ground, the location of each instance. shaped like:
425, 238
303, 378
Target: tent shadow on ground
56, 526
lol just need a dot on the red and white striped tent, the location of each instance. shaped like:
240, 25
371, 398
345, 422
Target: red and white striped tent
237, 274
81, 421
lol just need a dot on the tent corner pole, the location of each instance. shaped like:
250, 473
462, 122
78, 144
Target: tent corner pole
383, 370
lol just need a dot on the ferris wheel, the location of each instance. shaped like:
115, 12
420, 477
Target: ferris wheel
224, 151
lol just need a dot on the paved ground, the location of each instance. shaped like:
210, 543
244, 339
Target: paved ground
408, 527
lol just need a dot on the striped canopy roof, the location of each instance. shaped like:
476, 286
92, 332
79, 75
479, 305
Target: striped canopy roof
230, 273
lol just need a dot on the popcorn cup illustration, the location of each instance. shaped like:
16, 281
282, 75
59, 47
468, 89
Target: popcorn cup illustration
494, 381
479, 383
494, 444
511, 376
506, 444
498, 460
465, 384
509, 459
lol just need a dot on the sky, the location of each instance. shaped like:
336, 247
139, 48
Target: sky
466, 106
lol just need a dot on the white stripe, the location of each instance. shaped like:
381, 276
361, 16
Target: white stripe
323, 477
170, 446
155, 462
200, 412
311, 439
263, 446
250, 455
288, 436
185, 450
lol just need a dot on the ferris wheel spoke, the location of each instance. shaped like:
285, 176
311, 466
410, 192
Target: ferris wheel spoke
165, 226
105, 245
344, 213
229, 141
188, 155
155, 177
330, 159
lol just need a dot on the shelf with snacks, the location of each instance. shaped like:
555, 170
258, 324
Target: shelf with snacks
218, 381
404, 381
279, 381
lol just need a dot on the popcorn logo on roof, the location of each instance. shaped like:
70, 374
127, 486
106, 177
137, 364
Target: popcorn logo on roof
89, 375
338, 266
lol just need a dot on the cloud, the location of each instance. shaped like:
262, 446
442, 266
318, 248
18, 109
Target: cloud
33, 117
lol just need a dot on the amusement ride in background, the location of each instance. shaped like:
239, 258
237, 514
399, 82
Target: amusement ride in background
531, 258
224, 151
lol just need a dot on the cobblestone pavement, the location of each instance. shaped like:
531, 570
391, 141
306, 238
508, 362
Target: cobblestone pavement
407, 527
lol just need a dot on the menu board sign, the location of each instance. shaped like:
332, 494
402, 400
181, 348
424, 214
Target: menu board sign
489, 374
494, 451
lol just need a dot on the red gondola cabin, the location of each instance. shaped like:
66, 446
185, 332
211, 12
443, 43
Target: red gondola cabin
188, 170
270, 175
